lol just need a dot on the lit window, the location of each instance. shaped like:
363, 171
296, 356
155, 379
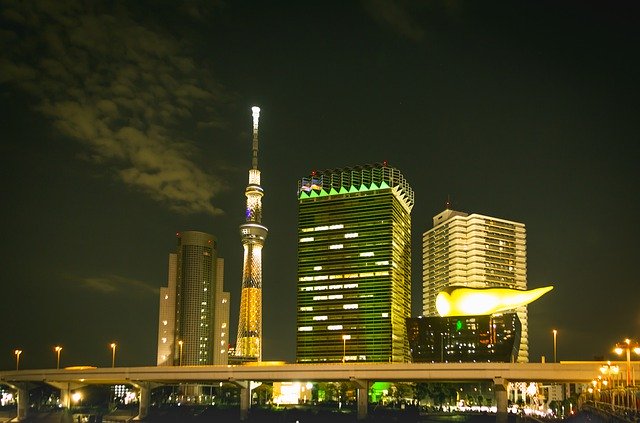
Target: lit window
320, 288
335, 297
319, 317
166, 297
224, 325
382, 263
305, 328
336, 247
350, 285
334, 327
385, 314
164, 340
320, 278
307, 239
164, 322
306, 308
321, 228
335, 286
336, 226
317, 268
306, 278
350, 306
351, 235
367, 254
319, 297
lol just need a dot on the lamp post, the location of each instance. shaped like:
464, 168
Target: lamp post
555, 345
344, 347
628, 346
113, 354
17, 353
58, 349
180, 343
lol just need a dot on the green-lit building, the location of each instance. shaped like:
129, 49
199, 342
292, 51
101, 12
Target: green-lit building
354, 265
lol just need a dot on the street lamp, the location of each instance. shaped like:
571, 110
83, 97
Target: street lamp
57, 349
113, 354
628, 346
555, 345
17, 353
180, 343
344, 347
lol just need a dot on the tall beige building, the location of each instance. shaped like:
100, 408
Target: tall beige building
475, 251
193, 326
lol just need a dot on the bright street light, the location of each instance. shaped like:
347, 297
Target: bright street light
344, 347
628, 346
58, 349
17, 353
555, 345
113, 354
180, 345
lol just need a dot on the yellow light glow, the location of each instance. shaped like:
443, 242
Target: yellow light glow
460, 301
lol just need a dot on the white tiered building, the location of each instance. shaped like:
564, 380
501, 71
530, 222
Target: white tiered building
474, 251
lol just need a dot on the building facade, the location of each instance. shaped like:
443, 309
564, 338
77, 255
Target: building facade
194, 310
464, 339
475, 251
253, 234
354, 265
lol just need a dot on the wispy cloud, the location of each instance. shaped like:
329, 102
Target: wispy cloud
127, 91
396, 15
111, 284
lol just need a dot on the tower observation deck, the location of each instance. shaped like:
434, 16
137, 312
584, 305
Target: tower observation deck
253, 235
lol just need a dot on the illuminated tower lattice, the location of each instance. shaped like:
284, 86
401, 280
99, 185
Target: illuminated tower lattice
253, 233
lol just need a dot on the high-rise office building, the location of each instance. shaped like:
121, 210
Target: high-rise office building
354, 265
249, 340
474, 251
194, 310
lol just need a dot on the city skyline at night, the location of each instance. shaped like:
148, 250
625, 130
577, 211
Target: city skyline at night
124, 123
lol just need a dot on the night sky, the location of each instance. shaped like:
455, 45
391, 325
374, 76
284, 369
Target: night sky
125, 122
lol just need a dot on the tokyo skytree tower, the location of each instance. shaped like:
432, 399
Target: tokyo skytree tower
253, 234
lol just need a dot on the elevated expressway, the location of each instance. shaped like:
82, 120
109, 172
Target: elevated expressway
146, 378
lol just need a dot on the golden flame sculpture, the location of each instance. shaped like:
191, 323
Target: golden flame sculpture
461, 301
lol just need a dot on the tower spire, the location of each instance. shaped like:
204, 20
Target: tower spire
253, 235
255, 110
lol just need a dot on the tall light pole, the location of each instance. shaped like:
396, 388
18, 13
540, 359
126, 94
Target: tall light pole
628, 346
555, 345
58, 349
180, 356
17, 353
113, 354
344, 347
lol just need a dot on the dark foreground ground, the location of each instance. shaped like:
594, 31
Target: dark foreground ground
289, 415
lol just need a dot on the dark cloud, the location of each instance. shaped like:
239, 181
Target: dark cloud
124, 90
112, 284
396, 15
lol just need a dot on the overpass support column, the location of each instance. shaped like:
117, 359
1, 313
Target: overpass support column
245, 397
362, 390
500, 391
65, 397
245, 400
22, 400
145, 399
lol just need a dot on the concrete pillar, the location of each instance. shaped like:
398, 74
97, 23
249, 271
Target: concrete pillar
245, 399
23, 401
500, 391
145, 399
363, 401
65, 397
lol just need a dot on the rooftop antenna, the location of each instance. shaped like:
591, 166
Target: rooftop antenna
447, 204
